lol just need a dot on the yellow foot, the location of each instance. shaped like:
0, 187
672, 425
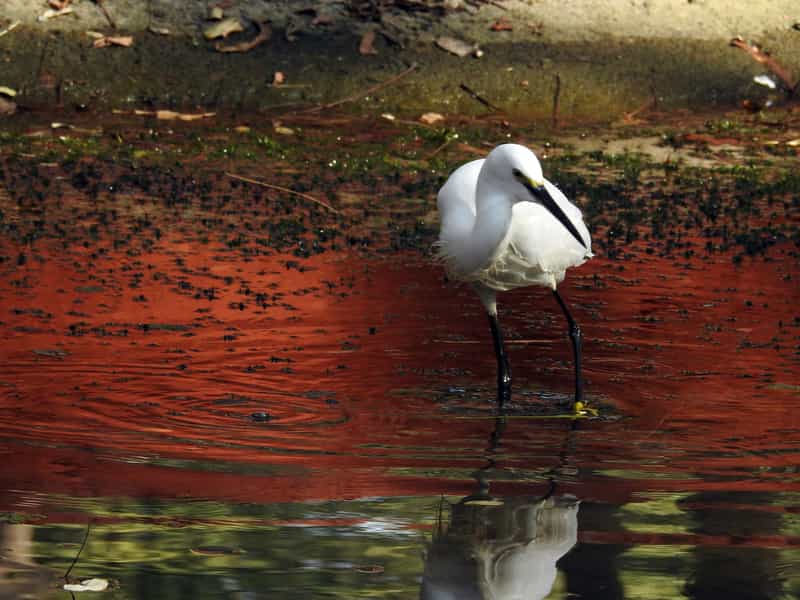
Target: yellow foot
581, 409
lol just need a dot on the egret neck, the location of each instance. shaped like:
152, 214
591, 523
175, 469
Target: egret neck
492, 223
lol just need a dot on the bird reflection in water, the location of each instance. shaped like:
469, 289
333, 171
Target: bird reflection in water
499, 548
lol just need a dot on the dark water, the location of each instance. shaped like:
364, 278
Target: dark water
223, 419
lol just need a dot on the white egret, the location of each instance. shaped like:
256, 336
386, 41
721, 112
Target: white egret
503, 226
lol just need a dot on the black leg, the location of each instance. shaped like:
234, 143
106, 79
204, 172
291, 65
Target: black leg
575, 336
503, 369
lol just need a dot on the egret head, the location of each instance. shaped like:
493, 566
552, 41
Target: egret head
518, 172
515, 168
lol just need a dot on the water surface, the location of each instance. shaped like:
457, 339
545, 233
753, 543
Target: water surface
230, 393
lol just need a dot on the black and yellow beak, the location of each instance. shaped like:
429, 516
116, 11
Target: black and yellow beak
543, 197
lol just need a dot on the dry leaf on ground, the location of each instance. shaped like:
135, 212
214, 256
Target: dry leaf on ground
281, 129
168, 115
52, 13
263, 35
224, 28
125, 41
455, 46
322, 19
171, 115
502, 24
7, 107
367, 45
430, 118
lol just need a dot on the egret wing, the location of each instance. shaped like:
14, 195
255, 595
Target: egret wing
456, 201
456, 204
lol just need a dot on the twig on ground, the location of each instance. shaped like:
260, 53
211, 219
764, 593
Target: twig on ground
630, 118
104, 10
476, 96
556, 98
762, 57
282, 189
439, 148
362, 93
10, 28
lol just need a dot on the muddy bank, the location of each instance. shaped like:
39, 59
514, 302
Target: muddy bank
543, 62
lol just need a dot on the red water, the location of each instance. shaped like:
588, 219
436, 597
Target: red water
371, 368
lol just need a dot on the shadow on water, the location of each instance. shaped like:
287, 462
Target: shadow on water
303, 411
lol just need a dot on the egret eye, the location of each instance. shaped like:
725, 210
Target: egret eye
517, 174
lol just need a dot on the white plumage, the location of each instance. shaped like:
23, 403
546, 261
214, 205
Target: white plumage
495, 233
503, 226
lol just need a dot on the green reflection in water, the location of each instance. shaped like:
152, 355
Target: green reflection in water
212, 550
664, 545
648, 475
660, 513
649, 572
